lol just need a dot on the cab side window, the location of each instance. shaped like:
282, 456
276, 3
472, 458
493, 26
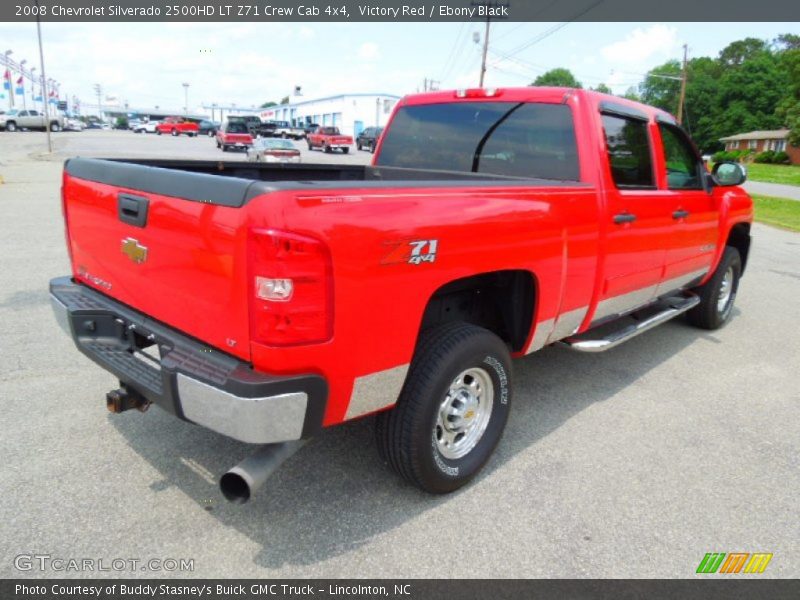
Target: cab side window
684, 168
629, 152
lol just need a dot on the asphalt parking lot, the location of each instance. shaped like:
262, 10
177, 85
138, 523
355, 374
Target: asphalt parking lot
632, 463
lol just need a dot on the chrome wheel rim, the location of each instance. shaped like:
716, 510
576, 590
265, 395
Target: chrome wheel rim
464, 413
725, 291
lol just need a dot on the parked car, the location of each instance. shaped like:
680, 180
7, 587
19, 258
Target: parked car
176, 126
30, 119
234, 135
273, 150
73, 124
368, 138
145, 127
309, 128
491, 224
286, 130
253, 123
208, 128
329, 139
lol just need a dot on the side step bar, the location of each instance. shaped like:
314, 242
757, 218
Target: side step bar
613, 334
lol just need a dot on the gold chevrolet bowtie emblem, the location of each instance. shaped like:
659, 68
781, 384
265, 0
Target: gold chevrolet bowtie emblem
134, 250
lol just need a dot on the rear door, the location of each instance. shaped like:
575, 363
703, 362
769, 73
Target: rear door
639, 219
694, 210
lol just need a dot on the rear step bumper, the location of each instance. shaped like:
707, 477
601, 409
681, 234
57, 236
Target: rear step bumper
615, 333
192, 381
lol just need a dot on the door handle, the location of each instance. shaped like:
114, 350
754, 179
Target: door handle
680, 214
624, 218
132, 209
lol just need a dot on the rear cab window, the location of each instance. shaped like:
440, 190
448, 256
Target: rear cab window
531, 140
629, 153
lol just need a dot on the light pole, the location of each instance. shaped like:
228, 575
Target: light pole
44, 91
22, 76
8, 53
185, 98
98, 90
33, 87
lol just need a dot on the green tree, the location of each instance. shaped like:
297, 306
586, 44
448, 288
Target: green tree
285, 100
661, 86
602, 87
736, 53
557, 77
269, 104
788, 111
632, 94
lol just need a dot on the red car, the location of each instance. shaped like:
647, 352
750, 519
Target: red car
176, 126
329, 139
268, 301
234, 135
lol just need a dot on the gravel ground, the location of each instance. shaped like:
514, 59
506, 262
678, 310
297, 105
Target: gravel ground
632, 463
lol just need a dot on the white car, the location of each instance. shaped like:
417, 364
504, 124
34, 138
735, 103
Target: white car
72, 124
273, 150
145, 127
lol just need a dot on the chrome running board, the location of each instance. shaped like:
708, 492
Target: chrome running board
610, 335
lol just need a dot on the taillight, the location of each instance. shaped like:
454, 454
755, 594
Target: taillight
478, 93
64, 214
291, 287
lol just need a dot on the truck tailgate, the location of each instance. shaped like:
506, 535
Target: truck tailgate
168, 243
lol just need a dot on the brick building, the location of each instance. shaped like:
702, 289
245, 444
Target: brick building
761, 141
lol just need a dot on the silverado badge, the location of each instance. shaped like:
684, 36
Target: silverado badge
134, 250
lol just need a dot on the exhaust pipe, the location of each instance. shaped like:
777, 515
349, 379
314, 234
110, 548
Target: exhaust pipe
243, 480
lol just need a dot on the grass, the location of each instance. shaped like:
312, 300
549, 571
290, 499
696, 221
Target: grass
778, 211
785, 174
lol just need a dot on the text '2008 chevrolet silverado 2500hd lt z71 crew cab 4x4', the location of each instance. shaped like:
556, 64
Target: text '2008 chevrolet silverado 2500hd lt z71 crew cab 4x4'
282, 299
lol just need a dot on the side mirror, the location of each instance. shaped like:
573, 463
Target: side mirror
729, 173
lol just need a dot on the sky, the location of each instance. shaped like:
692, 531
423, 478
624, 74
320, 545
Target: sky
247, 64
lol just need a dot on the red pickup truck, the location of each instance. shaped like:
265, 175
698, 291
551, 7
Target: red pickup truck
266, 302
176, 126
329, 139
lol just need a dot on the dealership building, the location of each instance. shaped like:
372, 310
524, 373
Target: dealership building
351, 113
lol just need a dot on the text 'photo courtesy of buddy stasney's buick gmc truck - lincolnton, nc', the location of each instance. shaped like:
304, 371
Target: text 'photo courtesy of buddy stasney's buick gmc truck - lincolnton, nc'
268, 301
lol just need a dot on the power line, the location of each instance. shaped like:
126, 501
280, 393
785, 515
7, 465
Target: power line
452, 50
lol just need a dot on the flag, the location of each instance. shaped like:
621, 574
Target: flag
20, 86
7, 80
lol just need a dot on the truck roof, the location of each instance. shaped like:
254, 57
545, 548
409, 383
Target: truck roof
528, 94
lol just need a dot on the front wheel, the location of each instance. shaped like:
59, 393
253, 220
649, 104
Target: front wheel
211, 133
452, 411
158, 132
174, 133
55, 127
310, 147
11, 126
718, 294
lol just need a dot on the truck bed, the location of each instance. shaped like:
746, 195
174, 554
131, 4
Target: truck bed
234, 183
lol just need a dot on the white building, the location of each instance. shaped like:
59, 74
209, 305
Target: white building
351, 113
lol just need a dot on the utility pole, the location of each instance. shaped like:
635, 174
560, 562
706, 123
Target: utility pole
485, 50
682, 97
99, 90
41, 60
185, 98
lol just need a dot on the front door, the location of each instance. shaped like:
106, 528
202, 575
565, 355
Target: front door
694, 210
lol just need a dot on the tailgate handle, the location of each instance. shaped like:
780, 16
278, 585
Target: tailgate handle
132, 209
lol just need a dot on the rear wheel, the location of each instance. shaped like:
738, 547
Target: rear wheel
54, 126
158, 132
452, 410
358, 146
327, 149
718, 294
310, 147
345, 150
211, 133
224, 147
11, 126
174, 133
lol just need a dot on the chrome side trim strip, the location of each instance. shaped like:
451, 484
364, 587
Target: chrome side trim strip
624, 303
376, 391
567, 324
543, 330
262, 420
676, 283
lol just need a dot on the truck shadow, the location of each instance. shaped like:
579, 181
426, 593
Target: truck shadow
334, 495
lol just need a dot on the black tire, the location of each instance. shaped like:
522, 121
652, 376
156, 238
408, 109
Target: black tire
11, 126
710, 314
326, 149
211, 133
358, 145
407, 435
54, 126
174, 133
219, 146
224, 147
158, 132
310, 147
345, 150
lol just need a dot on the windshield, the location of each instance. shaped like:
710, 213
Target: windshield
501, 138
